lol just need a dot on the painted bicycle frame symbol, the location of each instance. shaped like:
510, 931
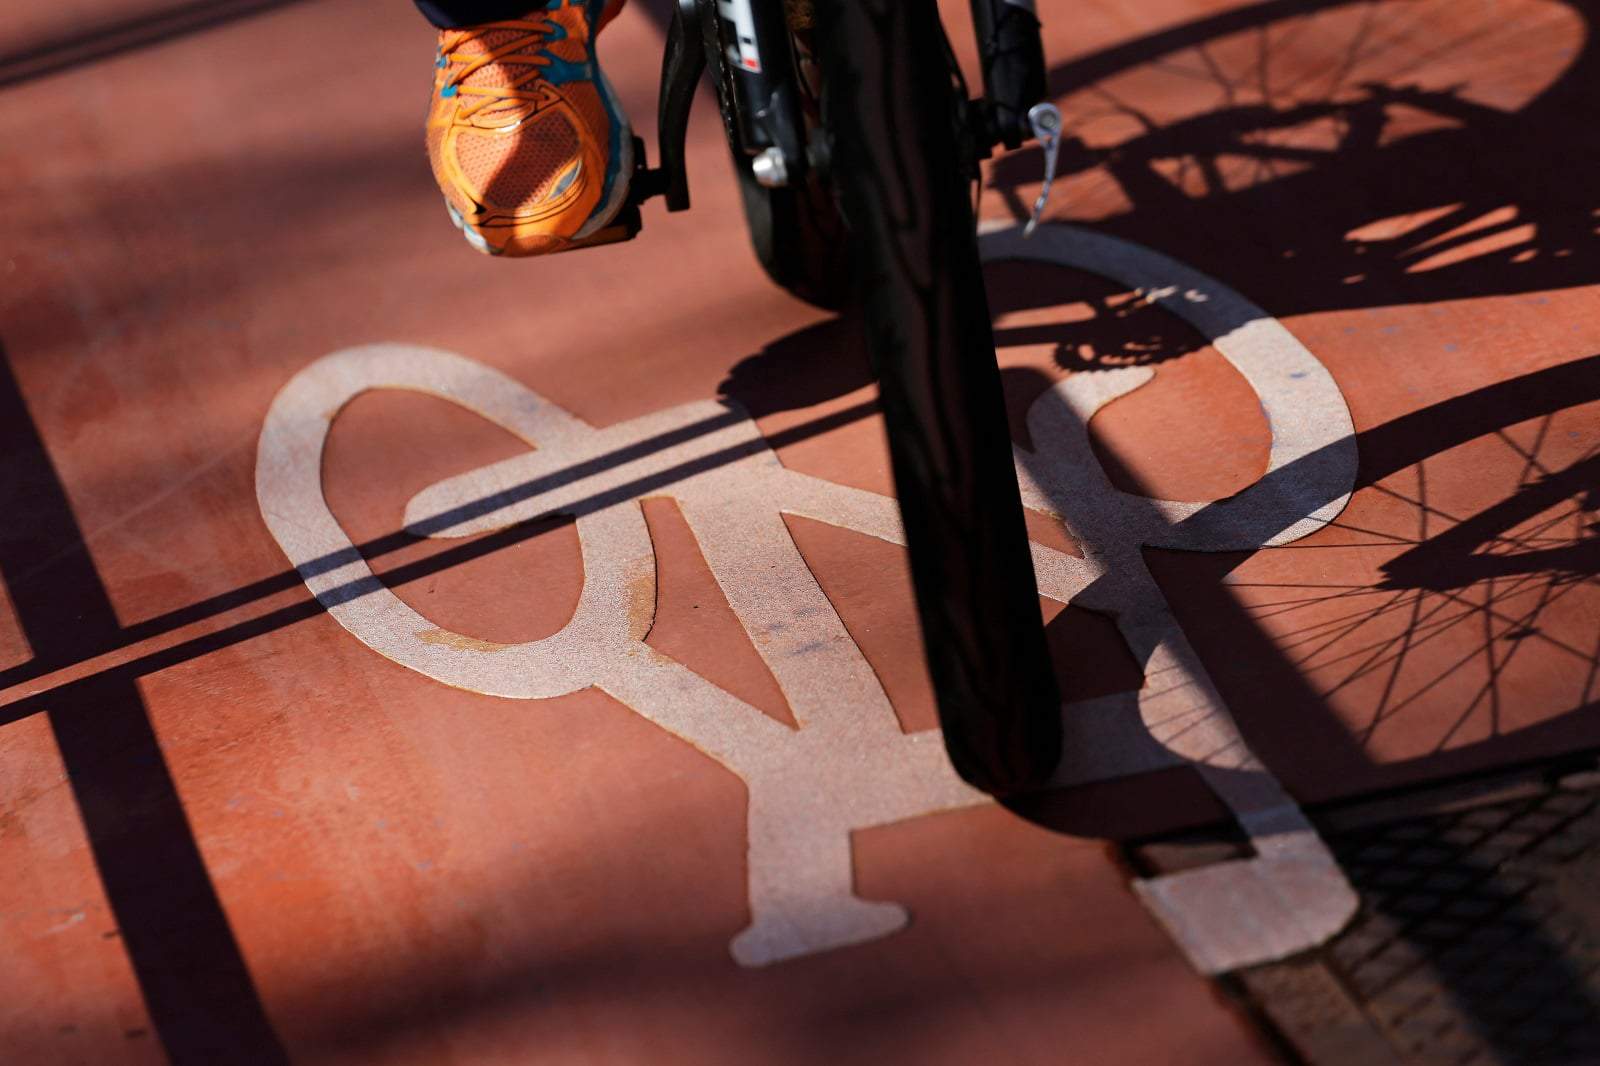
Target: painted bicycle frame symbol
849, 765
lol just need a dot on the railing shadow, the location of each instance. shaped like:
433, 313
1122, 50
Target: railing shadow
1498, 572
89, 44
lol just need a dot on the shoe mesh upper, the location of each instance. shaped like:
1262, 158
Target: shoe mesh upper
573, 51
491, 75
518, 172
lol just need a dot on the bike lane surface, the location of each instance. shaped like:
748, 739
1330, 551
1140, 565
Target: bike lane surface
388, 869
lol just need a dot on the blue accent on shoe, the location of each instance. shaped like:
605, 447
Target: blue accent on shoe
566, 182
560, 71
595, 10
614, 161
448, 90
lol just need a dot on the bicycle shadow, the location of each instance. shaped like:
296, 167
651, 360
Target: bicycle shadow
1400, 171
1397, 175
1449, 592
1520, 565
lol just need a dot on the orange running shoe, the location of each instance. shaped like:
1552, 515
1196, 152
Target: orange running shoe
528, 141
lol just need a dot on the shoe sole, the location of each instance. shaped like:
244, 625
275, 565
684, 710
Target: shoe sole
474, 238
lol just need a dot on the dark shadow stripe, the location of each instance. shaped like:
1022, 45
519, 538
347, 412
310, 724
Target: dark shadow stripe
38, 59
196, 987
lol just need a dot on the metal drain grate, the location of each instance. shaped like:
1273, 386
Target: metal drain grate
1478, 942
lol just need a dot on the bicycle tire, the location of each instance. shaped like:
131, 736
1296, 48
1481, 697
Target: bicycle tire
797, 236
891, 111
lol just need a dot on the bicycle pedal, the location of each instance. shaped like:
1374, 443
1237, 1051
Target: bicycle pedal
647, 182
625, 227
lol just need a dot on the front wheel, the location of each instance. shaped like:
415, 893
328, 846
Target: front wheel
890, 105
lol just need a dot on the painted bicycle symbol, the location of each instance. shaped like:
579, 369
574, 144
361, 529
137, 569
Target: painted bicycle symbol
849, 765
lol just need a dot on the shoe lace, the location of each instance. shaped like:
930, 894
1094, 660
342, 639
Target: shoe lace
525, 48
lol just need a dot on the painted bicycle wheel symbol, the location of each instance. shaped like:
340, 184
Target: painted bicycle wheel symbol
848, 765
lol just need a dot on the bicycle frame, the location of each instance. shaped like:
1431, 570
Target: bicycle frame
747, 46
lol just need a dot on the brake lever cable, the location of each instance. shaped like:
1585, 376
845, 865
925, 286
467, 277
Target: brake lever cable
1045, 120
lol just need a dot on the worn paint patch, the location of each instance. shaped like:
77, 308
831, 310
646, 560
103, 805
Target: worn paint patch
641, 601
456, 640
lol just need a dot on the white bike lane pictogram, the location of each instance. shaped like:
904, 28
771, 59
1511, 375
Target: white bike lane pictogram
849, 765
